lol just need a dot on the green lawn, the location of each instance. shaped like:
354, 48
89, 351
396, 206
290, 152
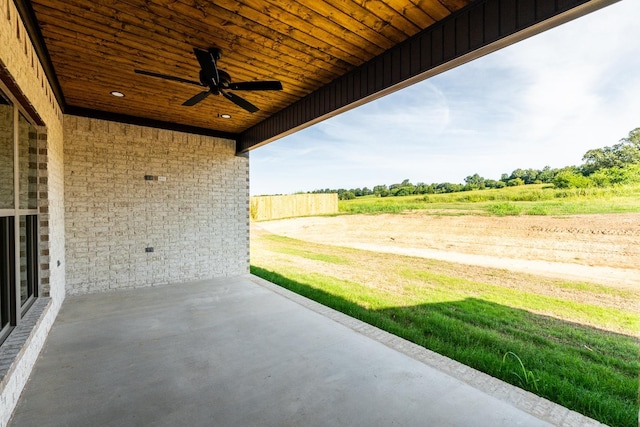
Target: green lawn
537, 199
578, 341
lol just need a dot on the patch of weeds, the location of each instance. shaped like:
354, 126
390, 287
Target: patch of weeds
537, 210
504, 209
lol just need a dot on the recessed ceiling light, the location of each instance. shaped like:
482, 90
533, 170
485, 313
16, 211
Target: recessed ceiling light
224, 116
117, 94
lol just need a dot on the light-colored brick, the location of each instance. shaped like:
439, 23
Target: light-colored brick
196, 221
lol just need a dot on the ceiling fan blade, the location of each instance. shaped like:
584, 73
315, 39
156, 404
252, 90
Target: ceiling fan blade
207, 62
196, 98
167, 77
256, 85
240, 102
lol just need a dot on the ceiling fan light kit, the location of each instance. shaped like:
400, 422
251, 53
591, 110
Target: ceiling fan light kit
217, 82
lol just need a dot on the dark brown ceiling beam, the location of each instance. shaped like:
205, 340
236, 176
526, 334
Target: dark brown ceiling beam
140, 121
31, 24
481, 28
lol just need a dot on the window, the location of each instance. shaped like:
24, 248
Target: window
18, 215
7, 266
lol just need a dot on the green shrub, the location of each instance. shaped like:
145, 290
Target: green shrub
347, 195
569, 179
616, 176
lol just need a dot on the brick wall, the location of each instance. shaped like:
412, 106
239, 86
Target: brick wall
20, 63
197, 221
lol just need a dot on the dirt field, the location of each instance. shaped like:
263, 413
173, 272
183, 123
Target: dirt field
603, 249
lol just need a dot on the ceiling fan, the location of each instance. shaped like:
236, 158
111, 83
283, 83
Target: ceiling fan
217, 81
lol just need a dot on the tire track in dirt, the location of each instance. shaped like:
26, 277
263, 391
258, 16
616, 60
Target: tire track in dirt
603, 249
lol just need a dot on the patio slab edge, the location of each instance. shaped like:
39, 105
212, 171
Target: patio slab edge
528, 402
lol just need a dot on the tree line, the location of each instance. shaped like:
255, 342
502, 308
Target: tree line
601, 167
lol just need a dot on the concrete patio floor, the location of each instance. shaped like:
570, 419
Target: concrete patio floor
244, 352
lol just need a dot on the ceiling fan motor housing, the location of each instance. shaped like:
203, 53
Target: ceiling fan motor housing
209, 81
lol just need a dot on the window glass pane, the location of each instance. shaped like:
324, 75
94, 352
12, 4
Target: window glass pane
6, 154
28, 158
23, 260
6, 263
28, 266
6, 268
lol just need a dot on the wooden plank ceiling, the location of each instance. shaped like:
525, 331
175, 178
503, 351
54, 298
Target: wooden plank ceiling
330, 55
95, 46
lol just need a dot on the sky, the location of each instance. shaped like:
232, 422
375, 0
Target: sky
543, 101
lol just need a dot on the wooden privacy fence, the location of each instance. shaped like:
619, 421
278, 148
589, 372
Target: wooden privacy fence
264, 208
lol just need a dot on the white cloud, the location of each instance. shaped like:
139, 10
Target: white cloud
545, 100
